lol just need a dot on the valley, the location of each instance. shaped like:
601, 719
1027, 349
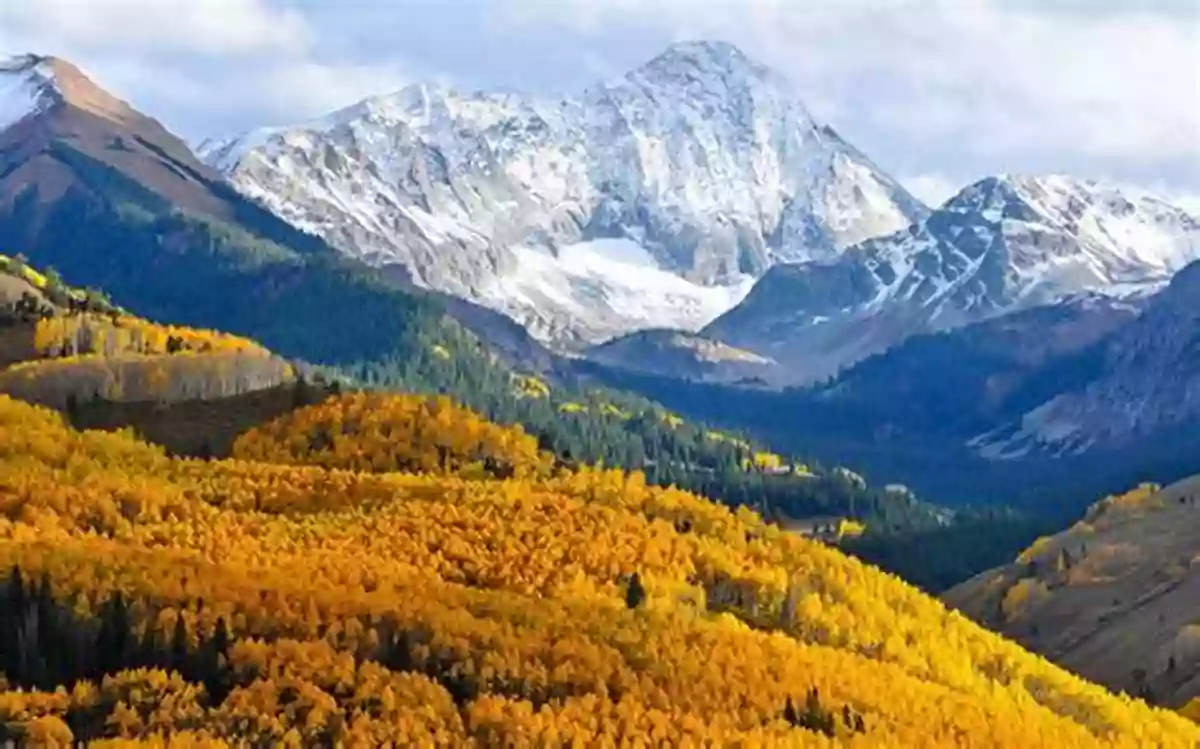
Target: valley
652, 411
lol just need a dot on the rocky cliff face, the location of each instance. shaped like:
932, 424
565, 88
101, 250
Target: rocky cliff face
704, 163
1001, 245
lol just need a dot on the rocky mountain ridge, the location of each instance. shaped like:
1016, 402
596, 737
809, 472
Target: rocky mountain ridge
1001, 245
1149, 384
704, 161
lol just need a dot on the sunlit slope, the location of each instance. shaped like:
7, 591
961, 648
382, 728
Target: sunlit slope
1114, 597
308, 605
61, 347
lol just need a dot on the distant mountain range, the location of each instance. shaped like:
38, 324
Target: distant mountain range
1001, 245
652, 201
656, 201
1047, 406
1027, 318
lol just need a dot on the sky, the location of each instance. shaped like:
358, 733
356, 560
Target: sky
937, 92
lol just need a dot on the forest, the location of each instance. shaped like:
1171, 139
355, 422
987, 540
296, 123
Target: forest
84, 352
253, 275
500, 598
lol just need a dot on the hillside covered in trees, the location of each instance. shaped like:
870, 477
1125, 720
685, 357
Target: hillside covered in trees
501, 603
194, 391
63, 347
74, 350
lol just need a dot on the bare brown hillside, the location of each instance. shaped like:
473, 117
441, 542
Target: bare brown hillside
1115, 598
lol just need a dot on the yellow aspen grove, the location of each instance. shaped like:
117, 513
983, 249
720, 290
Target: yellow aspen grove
382, 433
395, 570
87, 333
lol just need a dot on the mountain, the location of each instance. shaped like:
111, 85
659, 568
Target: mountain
1001, 245
650, 201
118, 203
958, 381
111, 199
1147, 386
941, 411
1113, 598
674, 353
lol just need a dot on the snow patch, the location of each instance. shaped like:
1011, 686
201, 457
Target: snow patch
609, 287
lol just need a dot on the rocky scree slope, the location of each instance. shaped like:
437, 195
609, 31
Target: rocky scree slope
1148, 385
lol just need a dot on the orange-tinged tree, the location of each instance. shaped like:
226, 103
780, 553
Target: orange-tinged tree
295, 604
385, 432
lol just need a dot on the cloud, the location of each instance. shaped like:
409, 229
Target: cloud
211, 27
945, 90
974, 86
203, 66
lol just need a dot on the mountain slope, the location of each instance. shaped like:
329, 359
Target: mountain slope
1002, 244
673, 353
912, 414
953, 382
705, 160
362, 608
113, 200
1148, 385
1113, 598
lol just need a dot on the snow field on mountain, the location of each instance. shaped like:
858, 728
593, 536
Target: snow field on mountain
612, 285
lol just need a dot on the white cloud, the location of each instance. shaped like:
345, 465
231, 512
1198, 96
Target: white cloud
974, 85
201, 65
1099, 88
211, 27
278, 92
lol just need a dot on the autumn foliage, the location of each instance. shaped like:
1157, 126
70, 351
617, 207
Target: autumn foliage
283, 601
103, 335
382, 433
155, 377
85, 356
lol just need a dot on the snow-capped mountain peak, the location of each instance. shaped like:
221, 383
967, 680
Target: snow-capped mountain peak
697, 69
1125, 237
1002, 244
704, 158
32, 84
